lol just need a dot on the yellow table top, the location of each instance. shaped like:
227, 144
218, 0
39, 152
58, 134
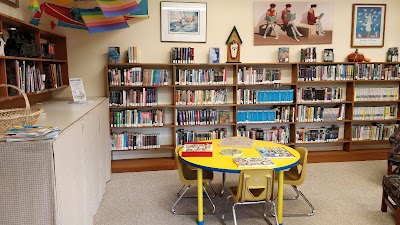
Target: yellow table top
223, 163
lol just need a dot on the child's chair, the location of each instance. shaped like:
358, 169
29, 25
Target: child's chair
188, 177
255, 187
295, 176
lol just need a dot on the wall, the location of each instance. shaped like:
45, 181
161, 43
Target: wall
87, 53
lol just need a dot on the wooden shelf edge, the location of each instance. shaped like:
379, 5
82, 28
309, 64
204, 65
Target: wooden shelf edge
140, 165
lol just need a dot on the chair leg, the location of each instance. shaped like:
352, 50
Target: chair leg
193, 212
273, 212
383, 204
213, 189
226, 206
234, 213
306, 200
179, 192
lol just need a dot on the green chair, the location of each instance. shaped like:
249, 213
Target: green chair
295, 177
188, 177
255, 187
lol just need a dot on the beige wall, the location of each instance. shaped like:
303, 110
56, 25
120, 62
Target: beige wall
87, 53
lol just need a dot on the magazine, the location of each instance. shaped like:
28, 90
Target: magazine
253, 162
283, 55
290, 16
274, 152
271, 19
31, 133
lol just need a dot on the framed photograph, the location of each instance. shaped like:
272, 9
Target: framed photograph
13, 3
328, 55
183, 22
368, 25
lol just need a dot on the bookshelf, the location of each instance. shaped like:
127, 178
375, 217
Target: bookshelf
55, 64
317, 101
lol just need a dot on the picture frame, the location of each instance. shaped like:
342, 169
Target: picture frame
368, 25
329, 55
183, 22
13, 3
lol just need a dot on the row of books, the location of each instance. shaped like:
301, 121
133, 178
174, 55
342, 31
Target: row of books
134, 141
135, 118
253, 96
200, 76
373, 132
137, 76
134, 97
27, 77
308, 54
327, 94
201, 97
250, 75
322, 134
377, 72
182, 55
182, 136
376, 94
285, 114
326, 72
132, 54
275, 134
318, 113
375, 112
202, 117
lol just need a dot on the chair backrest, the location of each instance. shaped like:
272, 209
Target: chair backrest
394, 151
179, 164
256, 185
303, 163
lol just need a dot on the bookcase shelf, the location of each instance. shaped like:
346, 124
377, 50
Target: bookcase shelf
348, 148
39, 90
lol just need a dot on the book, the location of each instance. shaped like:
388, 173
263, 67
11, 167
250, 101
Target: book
213, 56
224, 116
132, 55
237, 142
274, 152
114, 55
321, 15
271, 19
290, 16
197, 149
253, 162
283, 55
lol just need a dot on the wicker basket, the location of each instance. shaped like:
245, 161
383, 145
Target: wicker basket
18, 116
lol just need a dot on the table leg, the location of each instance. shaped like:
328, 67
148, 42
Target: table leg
280, 197
200, 197
223, 184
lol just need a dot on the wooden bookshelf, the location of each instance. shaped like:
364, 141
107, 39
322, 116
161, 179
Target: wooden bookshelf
7, 72
349, 149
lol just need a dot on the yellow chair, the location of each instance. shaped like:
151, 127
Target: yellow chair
255, 187
295, 176
188, 177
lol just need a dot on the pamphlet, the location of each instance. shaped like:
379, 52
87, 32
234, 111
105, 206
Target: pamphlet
78, 90
253, 162
274, 152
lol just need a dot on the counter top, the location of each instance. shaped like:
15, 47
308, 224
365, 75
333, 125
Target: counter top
63, 112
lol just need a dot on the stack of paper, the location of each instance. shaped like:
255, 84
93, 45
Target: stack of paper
31, 133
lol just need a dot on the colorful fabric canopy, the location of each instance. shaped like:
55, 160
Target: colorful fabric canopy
112, 8
96, 21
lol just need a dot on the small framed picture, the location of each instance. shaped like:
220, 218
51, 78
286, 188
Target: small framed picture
213, 56
328, 55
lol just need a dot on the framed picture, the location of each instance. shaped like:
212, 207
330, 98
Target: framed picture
368, 25
14, 3
328, 55
183, 22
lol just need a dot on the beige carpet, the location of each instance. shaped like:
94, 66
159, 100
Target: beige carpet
342, 193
